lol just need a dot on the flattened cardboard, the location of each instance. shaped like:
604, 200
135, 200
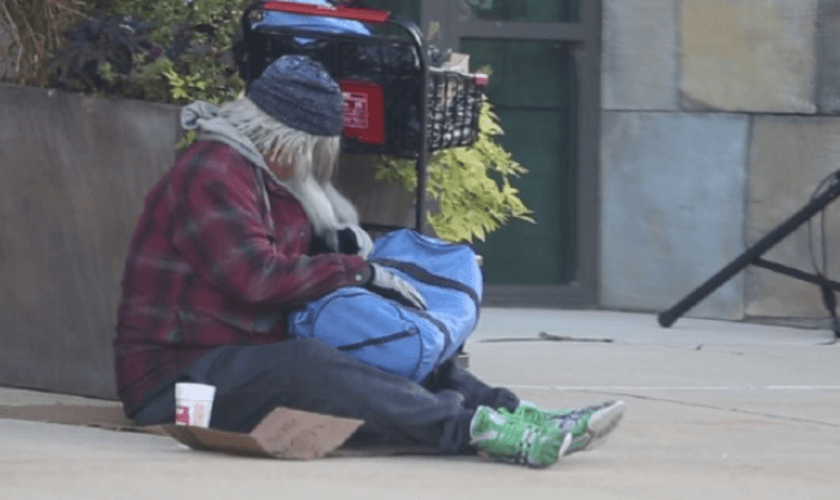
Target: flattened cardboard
199, 438
300, 434
109, 417
283, 433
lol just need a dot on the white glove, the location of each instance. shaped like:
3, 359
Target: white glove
363, 241
353, 240
389, 285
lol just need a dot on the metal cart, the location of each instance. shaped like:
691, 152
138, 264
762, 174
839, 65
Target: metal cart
395, 103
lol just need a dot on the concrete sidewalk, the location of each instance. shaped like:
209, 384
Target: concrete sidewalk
715, 410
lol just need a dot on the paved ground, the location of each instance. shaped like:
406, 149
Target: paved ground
716, 410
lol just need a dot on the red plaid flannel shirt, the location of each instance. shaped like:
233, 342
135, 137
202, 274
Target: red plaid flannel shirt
205, 269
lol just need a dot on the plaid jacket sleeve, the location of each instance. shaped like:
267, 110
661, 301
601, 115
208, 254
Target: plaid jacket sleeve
223, 232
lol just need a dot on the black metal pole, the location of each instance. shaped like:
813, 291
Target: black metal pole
421, 45
667, 318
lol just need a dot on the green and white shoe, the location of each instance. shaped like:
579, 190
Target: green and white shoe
510, 438
588, 426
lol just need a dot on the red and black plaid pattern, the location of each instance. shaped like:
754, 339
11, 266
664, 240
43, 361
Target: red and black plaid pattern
207, 268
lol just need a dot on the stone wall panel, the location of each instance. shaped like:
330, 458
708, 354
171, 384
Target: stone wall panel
672, 208
828, 56
789, 157
748, 55
639, 55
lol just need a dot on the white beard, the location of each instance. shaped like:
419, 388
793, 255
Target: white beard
242, 125
327, 209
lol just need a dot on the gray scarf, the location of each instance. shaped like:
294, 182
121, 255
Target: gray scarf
319, 202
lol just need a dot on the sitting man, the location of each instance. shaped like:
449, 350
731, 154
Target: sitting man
247, 226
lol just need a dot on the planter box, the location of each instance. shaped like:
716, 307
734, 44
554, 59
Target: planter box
75, 171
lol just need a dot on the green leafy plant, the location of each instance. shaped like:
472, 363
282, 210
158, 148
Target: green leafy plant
178, 51
472, 185
197, 40
100, 55
171, 51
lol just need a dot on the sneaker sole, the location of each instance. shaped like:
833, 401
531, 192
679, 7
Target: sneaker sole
564, 450
565, 445
602, 423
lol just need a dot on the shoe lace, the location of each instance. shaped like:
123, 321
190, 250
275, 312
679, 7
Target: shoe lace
568, 421
529, 414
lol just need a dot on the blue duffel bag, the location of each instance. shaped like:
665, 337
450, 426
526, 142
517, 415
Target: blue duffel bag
394, 338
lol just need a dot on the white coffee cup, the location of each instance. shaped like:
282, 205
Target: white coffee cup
193, 403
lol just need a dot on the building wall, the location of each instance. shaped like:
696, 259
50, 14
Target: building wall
717, 125
74, 173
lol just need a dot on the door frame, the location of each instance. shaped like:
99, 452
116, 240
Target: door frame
453, 20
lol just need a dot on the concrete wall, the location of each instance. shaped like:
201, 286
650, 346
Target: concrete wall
717, 127
75, 170
669, 179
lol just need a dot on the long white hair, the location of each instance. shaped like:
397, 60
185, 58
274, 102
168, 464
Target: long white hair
313, 158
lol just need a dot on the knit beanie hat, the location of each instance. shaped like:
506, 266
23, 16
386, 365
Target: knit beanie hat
300, 93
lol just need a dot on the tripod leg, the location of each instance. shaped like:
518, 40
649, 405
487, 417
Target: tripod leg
667, 318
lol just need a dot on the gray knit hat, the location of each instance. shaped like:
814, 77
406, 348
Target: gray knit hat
300, 93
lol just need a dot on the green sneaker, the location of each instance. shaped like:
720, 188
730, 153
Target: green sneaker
588, 426
509, 438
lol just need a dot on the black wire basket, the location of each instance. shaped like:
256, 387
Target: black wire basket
453, 108
382, 77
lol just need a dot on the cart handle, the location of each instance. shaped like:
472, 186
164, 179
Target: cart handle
356, 14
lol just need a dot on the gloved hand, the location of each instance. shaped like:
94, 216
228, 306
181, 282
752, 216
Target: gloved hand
388, 284
354, 239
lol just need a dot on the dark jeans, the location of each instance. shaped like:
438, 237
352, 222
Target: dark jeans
307, 374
